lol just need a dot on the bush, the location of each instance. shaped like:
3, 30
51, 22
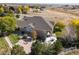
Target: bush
7, 24
57, 47
40, 48
59, 26
14, 38
37, 48
17, 16
17, 50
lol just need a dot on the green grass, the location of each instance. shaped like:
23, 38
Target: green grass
4, 48
3, 43
14, 38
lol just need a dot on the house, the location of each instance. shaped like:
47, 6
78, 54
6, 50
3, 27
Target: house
37, 23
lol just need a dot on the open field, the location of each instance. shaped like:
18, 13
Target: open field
69, 11
55, 15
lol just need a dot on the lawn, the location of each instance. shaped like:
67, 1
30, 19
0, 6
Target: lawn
4, 48
14, 38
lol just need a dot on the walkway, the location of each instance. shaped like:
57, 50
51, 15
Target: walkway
8, 41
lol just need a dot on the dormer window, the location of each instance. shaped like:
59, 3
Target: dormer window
48, 34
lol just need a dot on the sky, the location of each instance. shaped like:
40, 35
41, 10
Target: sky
39, 1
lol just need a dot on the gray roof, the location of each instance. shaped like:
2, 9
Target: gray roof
37, 21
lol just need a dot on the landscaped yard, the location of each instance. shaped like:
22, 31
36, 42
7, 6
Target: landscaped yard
14, 38
4, 48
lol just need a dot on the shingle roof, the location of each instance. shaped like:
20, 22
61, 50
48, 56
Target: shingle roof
37, 21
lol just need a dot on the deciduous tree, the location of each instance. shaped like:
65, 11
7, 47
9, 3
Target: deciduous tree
27, 8
20, 9
7, 24
1, 9
75, 24
34, 34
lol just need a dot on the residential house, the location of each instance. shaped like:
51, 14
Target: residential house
27, 24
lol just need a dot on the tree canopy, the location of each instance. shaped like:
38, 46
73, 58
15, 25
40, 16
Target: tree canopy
57, 47
37, 48
20, 9
34, 34
40, 48
59, 26
7, 24
27, 8
75, 24
1, 9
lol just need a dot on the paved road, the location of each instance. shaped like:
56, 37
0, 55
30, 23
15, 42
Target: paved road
8, 41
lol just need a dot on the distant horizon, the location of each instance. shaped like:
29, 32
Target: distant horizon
69, 2
46, 3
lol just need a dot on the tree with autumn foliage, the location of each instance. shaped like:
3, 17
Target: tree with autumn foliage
75, 24
1, 9
26, 8
20, 9
34, 34
59, 28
